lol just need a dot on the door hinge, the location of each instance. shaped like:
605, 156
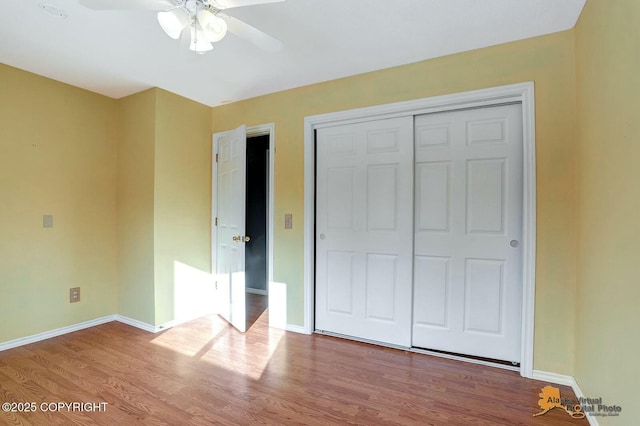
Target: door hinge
216, 221
216, 158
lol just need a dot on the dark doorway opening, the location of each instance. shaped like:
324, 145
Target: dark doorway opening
256, 256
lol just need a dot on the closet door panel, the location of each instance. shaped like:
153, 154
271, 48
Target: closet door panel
364, 230
467, 256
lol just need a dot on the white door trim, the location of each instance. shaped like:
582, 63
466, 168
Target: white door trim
521, 92
260, 130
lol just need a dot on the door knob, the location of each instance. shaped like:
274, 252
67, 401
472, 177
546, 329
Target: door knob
241, 238
246, 238
514, 243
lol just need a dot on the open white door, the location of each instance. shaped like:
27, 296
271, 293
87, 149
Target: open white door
229, 175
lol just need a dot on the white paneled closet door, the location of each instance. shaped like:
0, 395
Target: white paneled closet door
468, 226
364, 230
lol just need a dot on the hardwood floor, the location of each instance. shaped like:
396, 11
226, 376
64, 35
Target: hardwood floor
204, 372
255, 305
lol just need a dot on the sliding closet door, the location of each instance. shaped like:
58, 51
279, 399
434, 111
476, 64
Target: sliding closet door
468, 227
364, 230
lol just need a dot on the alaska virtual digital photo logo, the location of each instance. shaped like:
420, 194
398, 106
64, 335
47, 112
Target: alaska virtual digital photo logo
550, 398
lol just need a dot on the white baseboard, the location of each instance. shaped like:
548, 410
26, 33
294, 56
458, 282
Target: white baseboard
54, 333
10, 344
558, 379
256, 291
296, 329
173, 323
151, 328
137, 324
593, 420
87, 324
561, 379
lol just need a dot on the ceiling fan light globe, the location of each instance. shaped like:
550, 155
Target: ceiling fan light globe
214, 28
173, 22
199, 42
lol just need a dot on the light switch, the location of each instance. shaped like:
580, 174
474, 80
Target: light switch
47, 221
74, 294
288, 221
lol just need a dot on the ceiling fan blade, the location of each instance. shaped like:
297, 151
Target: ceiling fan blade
253, 35
127, 4
227, 4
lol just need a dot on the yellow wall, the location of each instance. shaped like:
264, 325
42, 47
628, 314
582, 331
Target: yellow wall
129, 185
608, 137
182, 206
164, 208
57, 156
548, 60
135, 206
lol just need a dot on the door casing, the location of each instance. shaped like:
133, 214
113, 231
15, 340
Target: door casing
521, 92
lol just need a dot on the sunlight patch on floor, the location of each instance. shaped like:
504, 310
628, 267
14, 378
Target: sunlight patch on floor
247, 354
210, 330
214, 341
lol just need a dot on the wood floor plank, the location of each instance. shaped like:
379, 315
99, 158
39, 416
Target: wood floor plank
205, 372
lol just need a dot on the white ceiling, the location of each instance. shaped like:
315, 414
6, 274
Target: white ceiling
117, 53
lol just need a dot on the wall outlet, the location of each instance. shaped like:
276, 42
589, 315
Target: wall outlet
288, 221
74, 294
47, 221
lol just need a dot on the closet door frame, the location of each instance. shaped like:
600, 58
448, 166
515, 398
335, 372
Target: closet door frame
523, 93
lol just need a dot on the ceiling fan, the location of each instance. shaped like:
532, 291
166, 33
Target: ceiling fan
204, 19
